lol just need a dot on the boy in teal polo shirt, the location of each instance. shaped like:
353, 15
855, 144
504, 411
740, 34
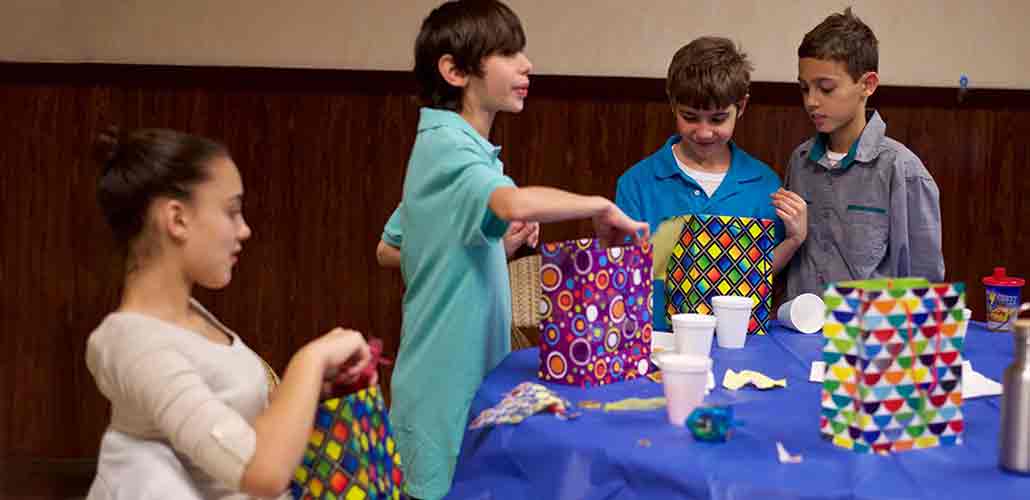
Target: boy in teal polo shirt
875, 208
456, 206
700, 170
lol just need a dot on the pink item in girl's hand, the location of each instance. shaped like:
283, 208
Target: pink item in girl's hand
364, 379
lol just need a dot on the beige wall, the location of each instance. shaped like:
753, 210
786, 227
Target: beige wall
923, 42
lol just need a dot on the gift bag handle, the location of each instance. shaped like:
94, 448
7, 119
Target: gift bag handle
939, 316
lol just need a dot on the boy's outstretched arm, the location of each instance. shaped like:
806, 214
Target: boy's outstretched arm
793, 211
543, 204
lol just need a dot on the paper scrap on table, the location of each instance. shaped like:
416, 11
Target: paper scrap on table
784, 457
734, 381
815, 374
631, 404
975, 384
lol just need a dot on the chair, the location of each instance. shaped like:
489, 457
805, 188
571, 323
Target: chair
525, 299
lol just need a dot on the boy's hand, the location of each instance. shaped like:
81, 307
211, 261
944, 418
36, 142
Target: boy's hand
521, 233
613, 227
793, 210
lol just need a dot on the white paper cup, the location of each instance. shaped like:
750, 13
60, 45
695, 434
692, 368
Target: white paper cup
693, 333
684, 377
734, 314
663, 341
805, 313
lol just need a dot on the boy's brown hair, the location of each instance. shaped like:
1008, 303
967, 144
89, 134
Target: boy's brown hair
708, 73
468, 30
843, 38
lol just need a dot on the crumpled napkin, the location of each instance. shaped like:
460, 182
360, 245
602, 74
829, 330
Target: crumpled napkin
733, 380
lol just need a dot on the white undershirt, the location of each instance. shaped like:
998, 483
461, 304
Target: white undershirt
709, 182
834, 158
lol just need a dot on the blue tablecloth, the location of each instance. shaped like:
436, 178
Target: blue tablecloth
602, 456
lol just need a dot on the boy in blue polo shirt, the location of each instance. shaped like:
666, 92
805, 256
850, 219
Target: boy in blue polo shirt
700, 170
875, 209
456, 206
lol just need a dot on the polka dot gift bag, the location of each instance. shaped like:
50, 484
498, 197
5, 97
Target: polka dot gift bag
595, 313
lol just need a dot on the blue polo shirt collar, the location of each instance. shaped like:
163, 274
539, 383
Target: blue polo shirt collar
741, 170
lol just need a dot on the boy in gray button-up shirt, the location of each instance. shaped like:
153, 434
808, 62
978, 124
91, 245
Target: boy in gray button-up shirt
874, 209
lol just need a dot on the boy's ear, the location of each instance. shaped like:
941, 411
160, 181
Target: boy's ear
869, 81
450, 71
742, 104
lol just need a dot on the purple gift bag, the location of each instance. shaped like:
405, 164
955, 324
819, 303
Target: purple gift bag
595, 313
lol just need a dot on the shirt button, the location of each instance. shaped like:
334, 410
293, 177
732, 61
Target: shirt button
697, 193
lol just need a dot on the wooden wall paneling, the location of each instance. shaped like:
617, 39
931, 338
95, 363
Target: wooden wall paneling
323, 154
37, 195
388, 135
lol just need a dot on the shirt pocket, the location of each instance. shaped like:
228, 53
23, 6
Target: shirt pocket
868, 228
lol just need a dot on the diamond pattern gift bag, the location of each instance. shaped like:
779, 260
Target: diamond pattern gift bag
351, 453
721, 255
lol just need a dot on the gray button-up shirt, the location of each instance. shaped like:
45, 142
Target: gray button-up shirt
875, 214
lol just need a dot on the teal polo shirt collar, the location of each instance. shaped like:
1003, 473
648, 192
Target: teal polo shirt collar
742, 171
431, 118
863, 150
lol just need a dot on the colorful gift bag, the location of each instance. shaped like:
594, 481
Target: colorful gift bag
351, 453
595, 313
721, 255
893, 353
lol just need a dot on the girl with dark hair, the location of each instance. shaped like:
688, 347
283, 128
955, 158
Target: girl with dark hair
192, 410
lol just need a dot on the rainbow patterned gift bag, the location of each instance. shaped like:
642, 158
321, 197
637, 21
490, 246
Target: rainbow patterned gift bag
721, 255
595, 313
893, 353
351, 453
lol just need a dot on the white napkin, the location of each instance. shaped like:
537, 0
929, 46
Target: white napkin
975, 384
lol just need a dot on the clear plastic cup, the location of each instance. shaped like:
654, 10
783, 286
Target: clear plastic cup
734, 315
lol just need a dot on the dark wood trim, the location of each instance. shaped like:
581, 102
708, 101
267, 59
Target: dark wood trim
47, 478
373, 82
